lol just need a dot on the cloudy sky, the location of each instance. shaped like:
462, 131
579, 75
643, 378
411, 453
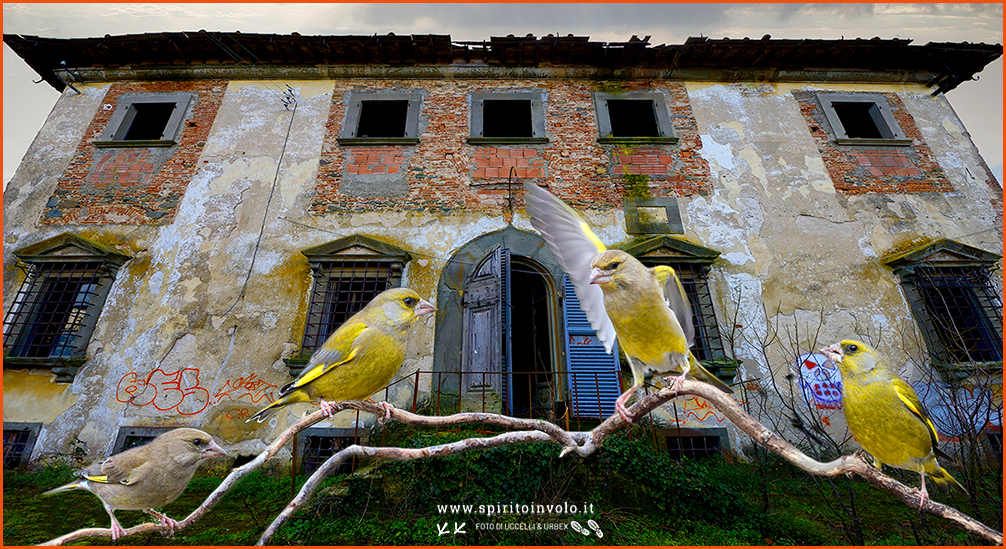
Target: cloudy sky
978, 103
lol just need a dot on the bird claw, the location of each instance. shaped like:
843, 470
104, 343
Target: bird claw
381, 420
327, 408
117, 531
166, 521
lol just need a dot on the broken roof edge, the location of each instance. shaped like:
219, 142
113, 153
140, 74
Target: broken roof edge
167, 55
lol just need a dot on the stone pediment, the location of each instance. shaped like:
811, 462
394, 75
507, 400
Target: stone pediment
672, 248
941, 252
70, 247
356, 247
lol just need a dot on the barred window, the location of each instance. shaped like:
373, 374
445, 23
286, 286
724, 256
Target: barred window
695, 280
53, 309
316, 445
342, 288
348, 274
18, 442
51, 318
694, 443
958, 306
963, 311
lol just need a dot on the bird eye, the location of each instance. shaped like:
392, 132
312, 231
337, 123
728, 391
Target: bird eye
409, 301
853, 348
198, 442
615, 265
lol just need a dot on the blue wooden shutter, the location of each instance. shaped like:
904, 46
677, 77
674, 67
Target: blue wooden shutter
592, 373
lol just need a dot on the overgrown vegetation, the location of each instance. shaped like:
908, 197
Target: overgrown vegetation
638, 497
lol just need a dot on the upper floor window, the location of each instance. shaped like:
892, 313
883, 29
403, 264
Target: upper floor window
950, 289
50, 320
146, 120
861, 119
507, 117
633, 117
381, 118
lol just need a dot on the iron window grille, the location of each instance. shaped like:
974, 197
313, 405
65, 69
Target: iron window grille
316, 445
695, 443
18, 443
962, 310
341, 288
131, 437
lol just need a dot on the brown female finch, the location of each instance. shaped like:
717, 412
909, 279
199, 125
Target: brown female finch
147, 476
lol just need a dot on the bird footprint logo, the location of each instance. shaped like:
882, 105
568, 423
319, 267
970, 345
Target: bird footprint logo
580, 529
596, 528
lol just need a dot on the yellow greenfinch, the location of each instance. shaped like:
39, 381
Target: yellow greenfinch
360, 357
646, 308
886, 416
147, 476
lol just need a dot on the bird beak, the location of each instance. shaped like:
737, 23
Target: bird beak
425, 308
833, 352
597, 276
213, 450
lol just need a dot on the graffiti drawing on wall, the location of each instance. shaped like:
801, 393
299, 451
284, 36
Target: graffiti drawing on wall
165, 391
821, 381
249, 386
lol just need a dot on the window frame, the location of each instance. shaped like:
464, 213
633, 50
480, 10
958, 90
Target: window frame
139, 431
33, 429
948, 254
663, 119
119, 124
35, 261
476, 117
351, 249
354, 434
883, 117
719, 433
354, 108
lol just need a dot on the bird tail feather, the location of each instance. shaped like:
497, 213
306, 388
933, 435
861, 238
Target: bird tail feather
944, 481
75, 485
291, 398
701, 374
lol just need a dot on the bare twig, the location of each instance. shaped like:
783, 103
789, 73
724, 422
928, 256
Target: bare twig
582, 443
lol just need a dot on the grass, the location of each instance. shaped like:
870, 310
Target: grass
639, 498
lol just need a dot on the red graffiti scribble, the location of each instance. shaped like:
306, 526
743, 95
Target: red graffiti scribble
250, 386
164, 391
238, 413
578, 340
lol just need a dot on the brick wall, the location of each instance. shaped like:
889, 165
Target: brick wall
134, 185
443, 172
857, 169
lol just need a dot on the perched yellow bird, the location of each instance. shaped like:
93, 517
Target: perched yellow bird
886, 416
646, 308
147, 476
360, 357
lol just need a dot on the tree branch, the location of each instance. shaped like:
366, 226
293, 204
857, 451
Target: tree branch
532, 430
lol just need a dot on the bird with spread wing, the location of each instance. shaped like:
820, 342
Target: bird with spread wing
645, 308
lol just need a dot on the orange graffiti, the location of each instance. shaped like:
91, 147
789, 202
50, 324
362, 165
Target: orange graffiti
238, 413
251, 387
164, 391
699, 409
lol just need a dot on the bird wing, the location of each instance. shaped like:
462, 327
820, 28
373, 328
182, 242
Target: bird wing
574, 245
911, 401
337, 351
124, 467
677, 299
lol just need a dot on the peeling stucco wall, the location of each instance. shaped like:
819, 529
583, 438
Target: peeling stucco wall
183, 340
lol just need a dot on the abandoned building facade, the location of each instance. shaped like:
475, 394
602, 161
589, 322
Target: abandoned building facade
200, 210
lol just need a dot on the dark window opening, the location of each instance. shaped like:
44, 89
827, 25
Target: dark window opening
51, 309
506, 118
15, 447
632, 118
341, 289
995, 440
131, 437
317, 450
858, 119
533, 389
132, 441
382, 118
692, 447
149, 122
240, 460
964, 311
